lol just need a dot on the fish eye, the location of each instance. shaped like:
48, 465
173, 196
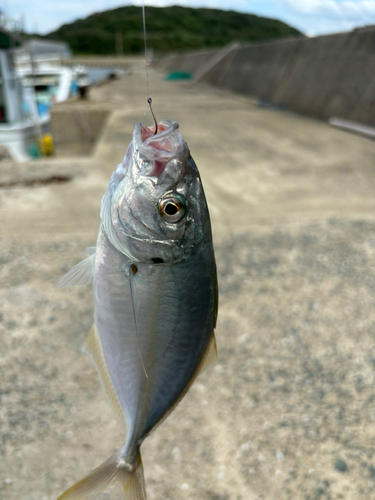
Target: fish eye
172, 208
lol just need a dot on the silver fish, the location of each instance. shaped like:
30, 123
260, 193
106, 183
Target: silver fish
155, 295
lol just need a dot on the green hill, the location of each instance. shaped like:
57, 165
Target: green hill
168, 28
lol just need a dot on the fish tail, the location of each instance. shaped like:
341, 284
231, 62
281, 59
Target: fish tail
114, 470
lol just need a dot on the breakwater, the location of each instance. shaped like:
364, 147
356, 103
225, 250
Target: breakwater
124, 62
332, 75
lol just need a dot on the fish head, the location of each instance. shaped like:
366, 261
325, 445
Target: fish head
154, 210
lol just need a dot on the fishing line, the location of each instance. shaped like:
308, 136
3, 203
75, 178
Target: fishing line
149, 100
144, 38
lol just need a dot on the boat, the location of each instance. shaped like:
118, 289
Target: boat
51, 84
22, 128
39, 63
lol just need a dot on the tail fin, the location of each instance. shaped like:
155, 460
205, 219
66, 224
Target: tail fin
113, 470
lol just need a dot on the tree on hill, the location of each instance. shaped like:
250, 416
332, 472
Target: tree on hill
168, 28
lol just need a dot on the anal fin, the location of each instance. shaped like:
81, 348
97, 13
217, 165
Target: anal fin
209, 359
93, 348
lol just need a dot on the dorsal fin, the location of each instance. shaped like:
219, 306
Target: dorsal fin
209, 358
216, 303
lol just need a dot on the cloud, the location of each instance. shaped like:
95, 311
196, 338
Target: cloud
323, 9
308, 7
316, 17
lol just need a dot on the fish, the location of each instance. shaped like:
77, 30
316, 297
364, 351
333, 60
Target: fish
155, 293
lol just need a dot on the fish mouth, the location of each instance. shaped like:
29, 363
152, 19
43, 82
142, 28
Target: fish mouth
158, 148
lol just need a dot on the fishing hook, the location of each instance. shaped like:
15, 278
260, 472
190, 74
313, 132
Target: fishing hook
149, 100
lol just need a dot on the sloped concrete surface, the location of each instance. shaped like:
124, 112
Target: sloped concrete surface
323, 76
289, 411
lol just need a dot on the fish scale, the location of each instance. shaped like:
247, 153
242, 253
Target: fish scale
155, 295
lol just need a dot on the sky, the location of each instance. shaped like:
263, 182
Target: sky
312, 17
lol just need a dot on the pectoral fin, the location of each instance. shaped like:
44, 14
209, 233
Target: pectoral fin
90, 250
81, 274
93, 348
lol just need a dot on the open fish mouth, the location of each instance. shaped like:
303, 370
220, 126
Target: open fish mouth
158, 148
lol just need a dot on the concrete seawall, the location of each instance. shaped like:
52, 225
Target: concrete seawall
189, 62
76, 126
325, 76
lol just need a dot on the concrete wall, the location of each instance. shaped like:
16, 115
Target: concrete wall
189, 62
329, 75
77, 126
324, 76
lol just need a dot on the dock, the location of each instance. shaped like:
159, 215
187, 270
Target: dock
288, 412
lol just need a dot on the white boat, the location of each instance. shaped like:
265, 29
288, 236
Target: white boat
21, 127
51, 82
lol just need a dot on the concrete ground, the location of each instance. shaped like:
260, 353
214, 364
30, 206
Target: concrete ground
289, 411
